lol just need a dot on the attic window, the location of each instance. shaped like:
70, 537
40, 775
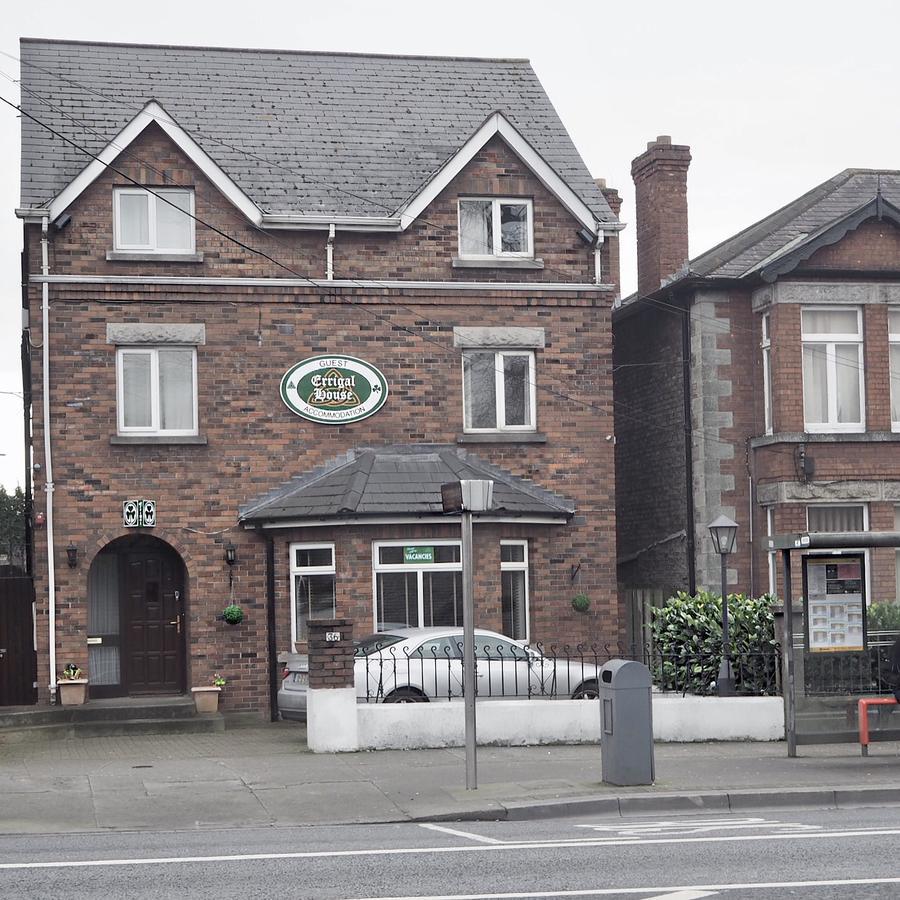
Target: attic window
495, 227
154, 221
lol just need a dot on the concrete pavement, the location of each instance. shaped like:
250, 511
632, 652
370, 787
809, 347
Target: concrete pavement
265, 776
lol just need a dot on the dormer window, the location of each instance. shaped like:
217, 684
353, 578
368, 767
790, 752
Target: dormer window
154, 221
495, 227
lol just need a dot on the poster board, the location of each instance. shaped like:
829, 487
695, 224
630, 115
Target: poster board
834, 596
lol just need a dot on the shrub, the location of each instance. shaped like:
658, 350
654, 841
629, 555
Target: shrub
884, 617
687, 637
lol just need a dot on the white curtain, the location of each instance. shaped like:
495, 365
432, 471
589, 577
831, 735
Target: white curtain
475, 228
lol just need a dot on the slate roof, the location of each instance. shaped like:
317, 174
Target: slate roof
402, 480
801, 218
298, 132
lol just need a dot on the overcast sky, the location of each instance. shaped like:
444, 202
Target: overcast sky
772, 97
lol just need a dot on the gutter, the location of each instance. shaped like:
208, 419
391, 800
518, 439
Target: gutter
49, 487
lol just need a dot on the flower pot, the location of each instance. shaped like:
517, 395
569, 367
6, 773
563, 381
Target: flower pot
206, 699
72, 691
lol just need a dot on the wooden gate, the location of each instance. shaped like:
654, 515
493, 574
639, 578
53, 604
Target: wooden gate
18, 660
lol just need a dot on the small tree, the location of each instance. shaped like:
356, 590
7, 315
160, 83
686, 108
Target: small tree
12, 525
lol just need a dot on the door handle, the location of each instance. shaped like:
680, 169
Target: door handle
177, 623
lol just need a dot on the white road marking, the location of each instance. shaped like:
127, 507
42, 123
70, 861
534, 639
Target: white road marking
479, 848
462, 834
698, 827
684, 895
703, 890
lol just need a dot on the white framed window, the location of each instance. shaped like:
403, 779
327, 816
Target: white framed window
773, 554
157, 221
156, 390
416, 583
766, 347
498, 390
495, 226
833, 390
894, 338
312, 586
514, 589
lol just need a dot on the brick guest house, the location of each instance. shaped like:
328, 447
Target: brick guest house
761, 380
273, 301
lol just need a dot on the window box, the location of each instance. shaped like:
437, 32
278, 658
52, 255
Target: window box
158, 220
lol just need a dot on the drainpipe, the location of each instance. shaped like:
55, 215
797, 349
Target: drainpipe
48, 458
270, 616
329, 254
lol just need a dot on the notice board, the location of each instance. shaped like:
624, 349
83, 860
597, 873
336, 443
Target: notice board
834, 592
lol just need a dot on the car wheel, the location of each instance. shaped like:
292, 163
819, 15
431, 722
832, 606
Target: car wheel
587, 691
405, 695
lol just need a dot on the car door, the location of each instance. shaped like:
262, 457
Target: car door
436, 666
502, 669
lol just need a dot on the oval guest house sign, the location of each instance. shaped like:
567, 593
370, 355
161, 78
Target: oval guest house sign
333, 389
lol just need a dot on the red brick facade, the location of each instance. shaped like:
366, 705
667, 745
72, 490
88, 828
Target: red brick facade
253, 443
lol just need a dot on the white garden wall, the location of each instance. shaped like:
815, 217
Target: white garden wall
380, 726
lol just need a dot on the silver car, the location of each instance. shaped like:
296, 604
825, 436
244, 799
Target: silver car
415, 665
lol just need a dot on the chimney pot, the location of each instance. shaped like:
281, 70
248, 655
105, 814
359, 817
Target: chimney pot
600, 182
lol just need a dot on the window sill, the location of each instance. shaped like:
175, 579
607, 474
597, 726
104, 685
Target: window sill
831, 437
156, 439
504, 437
497, 262
136, 256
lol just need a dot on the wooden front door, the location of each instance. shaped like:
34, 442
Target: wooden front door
153, 601
18, 662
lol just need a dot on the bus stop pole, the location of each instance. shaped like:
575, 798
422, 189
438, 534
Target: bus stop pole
790, 725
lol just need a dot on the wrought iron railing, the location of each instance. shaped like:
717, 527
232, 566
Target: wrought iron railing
852, 672
394, 674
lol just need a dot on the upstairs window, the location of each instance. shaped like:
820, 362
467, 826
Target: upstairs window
498, 390
157, 221
157, 390
833, 397
766, 347
495, 227
894, 337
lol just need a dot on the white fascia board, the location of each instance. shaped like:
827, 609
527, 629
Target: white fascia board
405, 520
153, 112
498, 124
323, 223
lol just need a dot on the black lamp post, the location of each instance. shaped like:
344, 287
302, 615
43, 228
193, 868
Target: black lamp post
723, 532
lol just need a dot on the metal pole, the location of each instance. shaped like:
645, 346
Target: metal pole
468, 577
725, 682
790, 709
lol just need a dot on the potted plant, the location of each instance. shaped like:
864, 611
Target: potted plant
581, 603
233, 614
72, 686
206, 699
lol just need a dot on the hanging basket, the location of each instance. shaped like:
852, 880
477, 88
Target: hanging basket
233, 614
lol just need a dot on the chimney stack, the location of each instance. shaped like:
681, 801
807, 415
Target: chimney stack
660, 184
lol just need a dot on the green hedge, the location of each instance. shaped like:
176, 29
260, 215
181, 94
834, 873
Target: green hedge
687, 638
884, 617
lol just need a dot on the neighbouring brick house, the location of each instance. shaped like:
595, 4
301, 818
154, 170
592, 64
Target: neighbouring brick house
760, 380
289, 294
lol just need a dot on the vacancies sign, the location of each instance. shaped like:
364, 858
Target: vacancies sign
333, 389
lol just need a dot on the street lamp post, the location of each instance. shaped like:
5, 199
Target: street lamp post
723, 532
467, 497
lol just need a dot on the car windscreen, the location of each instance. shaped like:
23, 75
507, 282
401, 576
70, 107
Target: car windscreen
375, 642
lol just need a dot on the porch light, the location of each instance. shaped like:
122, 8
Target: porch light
230, 554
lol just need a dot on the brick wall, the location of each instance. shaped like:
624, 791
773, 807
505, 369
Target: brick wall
330, 660
253, 442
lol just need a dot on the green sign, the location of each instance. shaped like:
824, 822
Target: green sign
334, 389
418, 554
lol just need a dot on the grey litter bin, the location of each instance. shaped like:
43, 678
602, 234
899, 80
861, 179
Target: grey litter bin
626, 723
